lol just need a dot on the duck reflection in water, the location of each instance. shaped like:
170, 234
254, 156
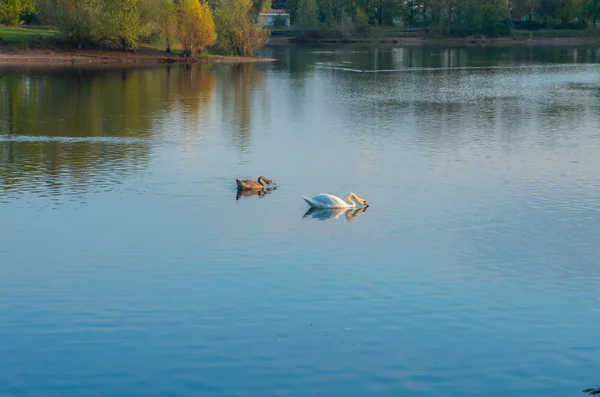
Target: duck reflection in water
334, 213
250, 193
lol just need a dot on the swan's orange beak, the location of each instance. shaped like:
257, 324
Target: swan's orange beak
366, 204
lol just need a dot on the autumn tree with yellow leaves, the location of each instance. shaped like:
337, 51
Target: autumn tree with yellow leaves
196, 27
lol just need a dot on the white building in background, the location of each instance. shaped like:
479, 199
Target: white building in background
268, 19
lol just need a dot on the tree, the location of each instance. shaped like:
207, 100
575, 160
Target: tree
292, 6
11, 10
490, 17
385, 11
237, 28
196, 28
523, 8
591, 10
332, 11
548, 10
168, 22
306, 15
346, 26
266, 6
127, 22
409, 10
78, 20
569, 10
360, 18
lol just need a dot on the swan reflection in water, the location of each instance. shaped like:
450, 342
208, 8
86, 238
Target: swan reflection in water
334, 213
250, 193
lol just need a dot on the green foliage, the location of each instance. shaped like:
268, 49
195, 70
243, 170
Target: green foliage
306, 15
78, 20
167, 20
386, 11
130, 23
346, 26
124, 22
11, 11
548, 11
491, 17
360, 18
237, 28
127, 22
523, 10
568, 11
291, 6
331, 11
591, 10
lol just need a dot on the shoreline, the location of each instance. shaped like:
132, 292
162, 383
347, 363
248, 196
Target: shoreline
36, 56
15, 56
426, 41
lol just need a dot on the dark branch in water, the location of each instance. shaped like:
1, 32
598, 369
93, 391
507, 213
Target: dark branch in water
593, 392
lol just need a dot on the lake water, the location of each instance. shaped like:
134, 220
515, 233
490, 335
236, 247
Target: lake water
128, 266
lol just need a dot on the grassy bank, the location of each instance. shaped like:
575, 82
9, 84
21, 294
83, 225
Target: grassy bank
14, 36
26, 44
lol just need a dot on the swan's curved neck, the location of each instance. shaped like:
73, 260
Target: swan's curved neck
262, 180
352, 199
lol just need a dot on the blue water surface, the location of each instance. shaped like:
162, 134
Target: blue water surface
129, 266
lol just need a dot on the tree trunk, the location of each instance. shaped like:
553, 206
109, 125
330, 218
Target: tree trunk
168, 41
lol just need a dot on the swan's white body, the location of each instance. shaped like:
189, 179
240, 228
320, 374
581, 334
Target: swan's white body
327, 201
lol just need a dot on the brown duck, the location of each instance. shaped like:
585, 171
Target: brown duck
250, 184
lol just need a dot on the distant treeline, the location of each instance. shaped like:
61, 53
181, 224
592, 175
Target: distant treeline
131, 22
191, 25
455, 17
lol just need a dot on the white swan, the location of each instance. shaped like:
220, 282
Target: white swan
325, 200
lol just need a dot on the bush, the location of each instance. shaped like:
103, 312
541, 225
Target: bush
237, 28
